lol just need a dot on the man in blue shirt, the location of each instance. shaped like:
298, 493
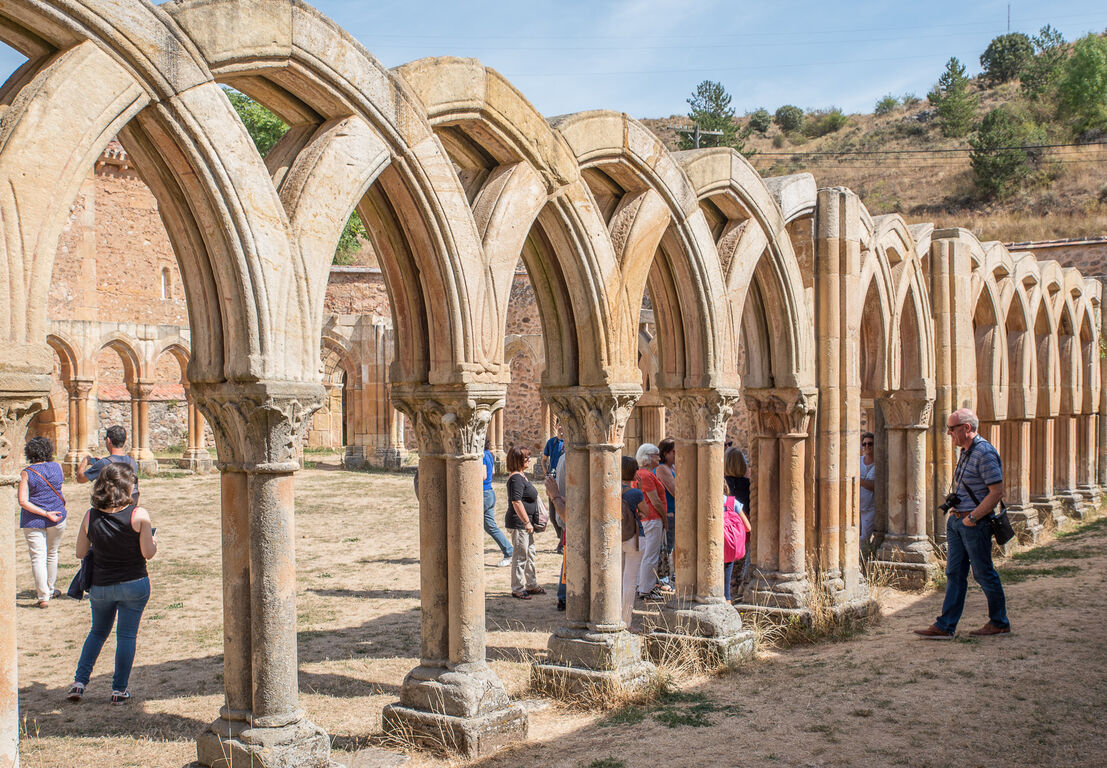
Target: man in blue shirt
115, 438
551, 457
978, 483
490, 526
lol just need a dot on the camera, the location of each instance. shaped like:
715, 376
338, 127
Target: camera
951, 502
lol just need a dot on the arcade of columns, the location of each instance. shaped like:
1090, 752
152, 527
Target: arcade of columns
838, 316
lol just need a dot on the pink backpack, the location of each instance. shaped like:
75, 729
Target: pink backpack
734, 532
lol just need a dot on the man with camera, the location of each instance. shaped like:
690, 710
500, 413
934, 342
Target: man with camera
977, 489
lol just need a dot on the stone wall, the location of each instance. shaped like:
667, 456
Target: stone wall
1089, 255
168, 423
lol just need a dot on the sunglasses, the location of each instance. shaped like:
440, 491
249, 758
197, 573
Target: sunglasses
867, 444
950, 429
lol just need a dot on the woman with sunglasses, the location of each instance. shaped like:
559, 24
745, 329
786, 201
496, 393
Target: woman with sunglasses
868, 487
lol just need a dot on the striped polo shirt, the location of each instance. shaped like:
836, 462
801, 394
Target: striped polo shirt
977, 468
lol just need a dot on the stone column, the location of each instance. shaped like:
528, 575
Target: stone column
258, 428
1016, 479
1064, 466
196, 456
907, 548
140, 426
1086, 475
1042, 496
496, 432
21, 396
653, 423
780, 421
700, 618
593, 651
78, 424
453, 699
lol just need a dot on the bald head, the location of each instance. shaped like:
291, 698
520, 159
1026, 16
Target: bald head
964, 416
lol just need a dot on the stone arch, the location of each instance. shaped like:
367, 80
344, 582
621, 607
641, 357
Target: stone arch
660, 237
1019, 325
877, 325
991, 339
126, 347
528, 198
752, 242
72, 363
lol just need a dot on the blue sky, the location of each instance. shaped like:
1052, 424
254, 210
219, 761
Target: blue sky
645, 57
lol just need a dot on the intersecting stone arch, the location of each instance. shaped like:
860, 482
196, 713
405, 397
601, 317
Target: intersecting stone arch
1022, 353
358, 137
1089, 310
1068, 344
1048, 344
660, 235
877, 294
757, 256
989, 326
528, 198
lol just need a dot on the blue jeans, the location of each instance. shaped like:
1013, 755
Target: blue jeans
728, 572
670, 534
127, 600
970, 546
490, 526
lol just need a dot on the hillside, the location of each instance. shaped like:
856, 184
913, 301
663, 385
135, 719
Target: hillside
1066, 199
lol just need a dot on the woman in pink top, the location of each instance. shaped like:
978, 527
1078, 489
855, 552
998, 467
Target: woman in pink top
654, 524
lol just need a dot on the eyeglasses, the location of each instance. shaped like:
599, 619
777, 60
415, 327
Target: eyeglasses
867, 444
950, 429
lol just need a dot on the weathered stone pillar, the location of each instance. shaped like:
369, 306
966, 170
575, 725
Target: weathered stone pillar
140, 426
780, 422
21, 396
1064, 466
1016, 479
258, 427
1086, 477
652, 418
593, 650
453, 699
700, 617
907, 548
1041, 472
78, 424
196, 456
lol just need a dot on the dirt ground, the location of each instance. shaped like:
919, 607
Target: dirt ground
878, 698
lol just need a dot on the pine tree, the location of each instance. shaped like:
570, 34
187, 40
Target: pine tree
711, 111
955, 105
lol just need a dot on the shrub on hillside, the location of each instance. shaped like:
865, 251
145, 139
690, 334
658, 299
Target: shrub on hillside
789, 118
955, 106
910, 100
1005, 57
824, 121
886, 105
1082, 86
1000, 156
761, 120
1040, 74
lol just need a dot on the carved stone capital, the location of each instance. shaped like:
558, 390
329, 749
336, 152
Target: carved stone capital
699, 414
79, 389
593, 415
258, 425
450, 421
907, 410
16, 411
141, 389
781, 412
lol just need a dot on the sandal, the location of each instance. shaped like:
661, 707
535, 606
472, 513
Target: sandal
536, 591
76, 691
520, 595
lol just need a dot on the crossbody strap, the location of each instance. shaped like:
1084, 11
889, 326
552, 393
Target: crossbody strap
52, 488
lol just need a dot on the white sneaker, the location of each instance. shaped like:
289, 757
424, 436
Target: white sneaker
504, 563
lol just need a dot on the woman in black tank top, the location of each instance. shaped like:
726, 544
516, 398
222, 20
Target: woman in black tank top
121, 538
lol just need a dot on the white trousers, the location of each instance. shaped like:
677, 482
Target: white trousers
523, 576
632, 560
650, 545
42, 545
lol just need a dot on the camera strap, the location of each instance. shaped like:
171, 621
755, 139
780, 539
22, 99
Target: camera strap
960, 476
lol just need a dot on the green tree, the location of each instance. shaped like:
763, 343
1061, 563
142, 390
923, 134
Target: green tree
1001, 155
886, 105
1082, 85
711, 111
1040, 74
266, 129
1006, 57
789, 118
820, 122
956, 107
760, 121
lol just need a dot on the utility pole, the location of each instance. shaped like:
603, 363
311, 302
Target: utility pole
696, 133
1008, 18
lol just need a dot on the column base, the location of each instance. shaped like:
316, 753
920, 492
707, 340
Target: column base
1072, 503
843, 613
775, 589
711, 633
229, 743
1050, 509
1028, 528
1092, 499
147, 466
583, 662
355, 457
196, 460
909, 559
463, 710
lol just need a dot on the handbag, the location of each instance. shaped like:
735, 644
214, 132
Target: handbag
542, 517
999, 522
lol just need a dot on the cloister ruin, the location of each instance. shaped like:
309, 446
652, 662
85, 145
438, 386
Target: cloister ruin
785, 308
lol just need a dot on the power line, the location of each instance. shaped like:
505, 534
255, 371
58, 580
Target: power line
931, 151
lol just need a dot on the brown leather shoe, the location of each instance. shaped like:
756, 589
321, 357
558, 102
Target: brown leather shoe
990, 629
934, 632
